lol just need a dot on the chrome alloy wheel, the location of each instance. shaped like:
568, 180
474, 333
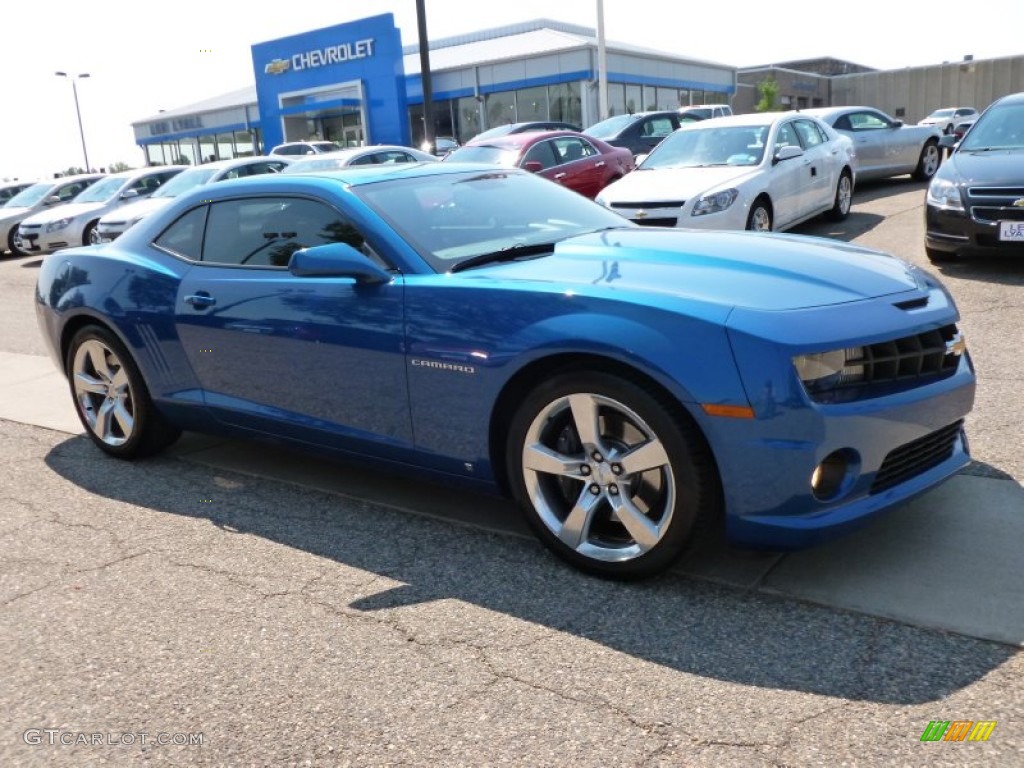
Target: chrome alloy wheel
760, 219
103, 393
844, 195
598, 477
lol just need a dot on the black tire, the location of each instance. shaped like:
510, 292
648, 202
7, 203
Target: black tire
843, 199
936, 256
89, 234
929, 162
760, 217
102, 377
668, 499
11, 246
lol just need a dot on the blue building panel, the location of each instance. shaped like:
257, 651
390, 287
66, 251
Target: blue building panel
368, 52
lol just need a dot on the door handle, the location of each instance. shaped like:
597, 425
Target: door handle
599, 164
560, 175
200, 300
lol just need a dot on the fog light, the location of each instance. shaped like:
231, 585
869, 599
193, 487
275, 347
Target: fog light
834, 475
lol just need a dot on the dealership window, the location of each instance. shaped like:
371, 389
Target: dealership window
531, 104
634, 99
566, 104
467, 118
668, 98
650, 100
616, 99
501, 108
225, 146
246, 144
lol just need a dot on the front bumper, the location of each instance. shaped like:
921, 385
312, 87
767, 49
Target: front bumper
35, 240
964, 234
679, 214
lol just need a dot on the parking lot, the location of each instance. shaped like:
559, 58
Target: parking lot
282, 610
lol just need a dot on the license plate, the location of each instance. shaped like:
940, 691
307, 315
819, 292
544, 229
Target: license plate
1012, 231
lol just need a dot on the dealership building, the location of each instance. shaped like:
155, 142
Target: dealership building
355, 84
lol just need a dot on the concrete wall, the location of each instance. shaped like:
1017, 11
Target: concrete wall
913, 93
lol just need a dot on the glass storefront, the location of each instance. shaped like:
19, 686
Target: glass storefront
204, 149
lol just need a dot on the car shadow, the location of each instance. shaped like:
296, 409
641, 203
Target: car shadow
1002, 269
684, 624
847, 230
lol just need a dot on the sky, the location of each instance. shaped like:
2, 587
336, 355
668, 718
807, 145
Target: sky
143, 57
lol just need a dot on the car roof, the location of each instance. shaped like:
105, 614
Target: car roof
364, 174
753, 118
520, 140
236, 162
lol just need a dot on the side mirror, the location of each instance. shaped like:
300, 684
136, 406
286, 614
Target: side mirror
128, 194
897, 123
787, 153
534, 166
336, 260
52, 200
948, 141
637, 159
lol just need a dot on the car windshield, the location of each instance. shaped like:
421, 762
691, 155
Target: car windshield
941, 113
454, 217
29, 197
702, 147
1001, 127
102, 190
185, 181
610, 127
506, 158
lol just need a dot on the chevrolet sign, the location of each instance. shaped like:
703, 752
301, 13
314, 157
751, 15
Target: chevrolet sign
320, 57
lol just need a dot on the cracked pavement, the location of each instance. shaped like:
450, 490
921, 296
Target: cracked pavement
294, 627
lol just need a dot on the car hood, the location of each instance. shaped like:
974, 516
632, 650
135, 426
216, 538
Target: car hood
66, 211
736, 269
999, 167
672, 183
137, 209
13, 214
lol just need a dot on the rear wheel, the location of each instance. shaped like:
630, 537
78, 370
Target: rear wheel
928, 163
111, 397
844, 198
608, 477
760, 218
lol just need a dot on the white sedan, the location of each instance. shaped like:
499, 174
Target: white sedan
762, 171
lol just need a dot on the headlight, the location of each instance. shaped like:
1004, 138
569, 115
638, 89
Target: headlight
132, 222
944, 193
822, 371
53, 226
716, 202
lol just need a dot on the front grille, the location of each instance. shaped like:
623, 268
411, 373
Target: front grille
658, 222
887, 366
655, 204
29, 227
994, 214
916, 457
1013, 192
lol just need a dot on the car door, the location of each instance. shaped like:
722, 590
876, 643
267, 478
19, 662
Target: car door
821, 159
581, 167
652, 129
319, 358
786, 178
870, 132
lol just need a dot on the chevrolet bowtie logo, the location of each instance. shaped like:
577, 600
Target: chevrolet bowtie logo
1019, 203
640, 215
957, 345
277, 66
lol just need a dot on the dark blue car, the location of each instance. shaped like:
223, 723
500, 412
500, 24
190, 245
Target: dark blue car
632, 387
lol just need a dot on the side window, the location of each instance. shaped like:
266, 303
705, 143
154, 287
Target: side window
65, 193
265, 232
543, 153
570, 149
868, 121
787, 137
185, 236
843, 124
658, 126
810, 135
369, 159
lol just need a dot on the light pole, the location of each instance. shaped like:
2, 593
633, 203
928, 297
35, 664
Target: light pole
78, 112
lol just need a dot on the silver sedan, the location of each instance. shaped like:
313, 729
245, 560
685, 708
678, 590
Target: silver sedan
885, 146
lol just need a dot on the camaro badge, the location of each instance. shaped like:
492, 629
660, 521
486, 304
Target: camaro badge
438, 365
277, 66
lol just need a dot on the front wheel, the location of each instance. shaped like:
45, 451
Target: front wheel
90, 236
111, 397
928, 163
844, 198
13, 241
609, 478
760, 218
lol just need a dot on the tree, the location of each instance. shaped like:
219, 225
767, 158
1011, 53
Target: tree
74, 170
118, 167
768, 89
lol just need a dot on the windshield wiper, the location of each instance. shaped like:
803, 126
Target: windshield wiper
508, 253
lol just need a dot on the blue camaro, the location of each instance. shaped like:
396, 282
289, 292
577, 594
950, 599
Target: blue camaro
631, 387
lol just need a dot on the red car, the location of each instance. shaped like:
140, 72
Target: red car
581, 163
